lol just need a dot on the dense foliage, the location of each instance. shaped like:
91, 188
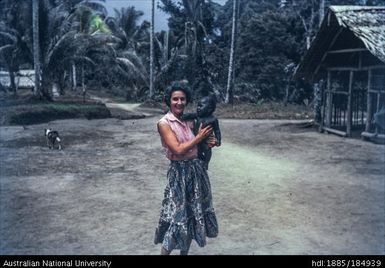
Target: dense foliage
82, 47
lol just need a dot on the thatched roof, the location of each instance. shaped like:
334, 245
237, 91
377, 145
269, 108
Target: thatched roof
361, 26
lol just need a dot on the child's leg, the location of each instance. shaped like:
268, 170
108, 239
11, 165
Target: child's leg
208, 158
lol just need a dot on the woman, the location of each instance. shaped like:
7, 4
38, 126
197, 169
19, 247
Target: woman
187, 212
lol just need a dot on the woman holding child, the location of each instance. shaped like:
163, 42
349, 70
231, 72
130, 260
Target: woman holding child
187, 212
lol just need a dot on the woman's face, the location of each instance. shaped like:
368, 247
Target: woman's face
178, 102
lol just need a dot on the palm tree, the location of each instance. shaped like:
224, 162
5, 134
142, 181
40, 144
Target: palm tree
131, 51
195, 32
124, 25
321, 12
152, 50
7, 58
191, 24
165, 58
85, 18
13, 50
36, 46
229, 90
71, 31
57, 39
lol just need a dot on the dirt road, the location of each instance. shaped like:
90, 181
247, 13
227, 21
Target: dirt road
278, 187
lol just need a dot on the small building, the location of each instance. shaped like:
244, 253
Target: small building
23, 79
347, 58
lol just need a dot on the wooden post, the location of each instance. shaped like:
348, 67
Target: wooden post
359, 60
323, 104
378, 108
349, 119
329, 100
369, 109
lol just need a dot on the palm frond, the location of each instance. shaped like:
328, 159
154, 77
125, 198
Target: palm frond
68, 61
58, 46
165, 67
10, 37
96, 6
131, 66
3, 49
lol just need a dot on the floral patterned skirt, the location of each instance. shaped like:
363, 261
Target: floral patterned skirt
187, 211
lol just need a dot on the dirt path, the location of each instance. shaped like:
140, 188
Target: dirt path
279, 188
127, 110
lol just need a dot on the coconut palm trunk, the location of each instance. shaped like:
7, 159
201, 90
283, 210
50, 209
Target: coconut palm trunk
321, 11
83, 84
12, 82
36, 47
73, 78
229, 89
152, 49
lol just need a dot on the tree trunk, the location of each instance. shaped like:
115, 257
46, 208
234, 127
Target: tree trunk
36, 47
83, 85
62, 83
73, 72
166, 47
12, 83
152, 49
307, 25
286, 99
317, 87
321, 11
55, 89
229, 89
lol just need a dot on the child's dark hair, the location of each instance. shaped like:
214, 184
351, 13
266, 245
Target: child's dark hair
212, 101
176, 86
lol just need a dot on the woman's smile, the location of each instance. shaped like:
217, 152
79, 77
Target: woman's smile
178, 102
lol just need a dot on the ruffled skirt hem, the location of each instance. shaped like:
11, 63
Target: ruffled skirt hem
187, 213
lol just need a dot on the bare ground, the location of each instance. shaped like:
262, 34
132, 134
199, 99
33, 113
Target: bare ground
279, 187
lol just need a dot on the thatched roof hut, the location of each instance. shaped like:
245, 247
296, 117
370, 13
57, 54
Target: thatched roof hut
358, 30
349, 54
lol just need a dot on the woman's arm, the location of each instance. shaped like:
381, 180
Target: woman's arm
175, 146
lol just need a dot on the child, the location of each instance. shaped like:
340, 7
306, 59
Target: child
204, 115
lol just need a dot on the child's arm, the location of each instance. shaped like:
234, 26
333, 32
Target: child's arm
189, 116
217, 132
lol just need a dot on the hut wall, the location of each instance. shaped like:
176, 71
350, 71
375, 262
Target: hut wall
344, 87
376, 100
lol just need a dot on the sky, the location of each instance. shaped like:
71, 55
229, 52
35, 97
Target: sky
145, 6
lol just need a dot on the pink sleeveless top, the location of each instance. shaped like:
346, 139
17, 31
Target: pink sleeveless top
183, 133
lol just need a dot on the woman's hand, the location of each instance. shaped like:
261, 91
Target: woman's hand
204, 132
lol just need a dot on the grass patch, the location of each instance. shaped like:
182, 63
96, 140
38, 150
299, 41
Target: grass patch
69, 106
36, 113
268, 110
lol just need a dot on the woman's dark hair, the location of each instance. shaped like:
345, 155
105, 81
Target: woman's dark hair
177, 86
